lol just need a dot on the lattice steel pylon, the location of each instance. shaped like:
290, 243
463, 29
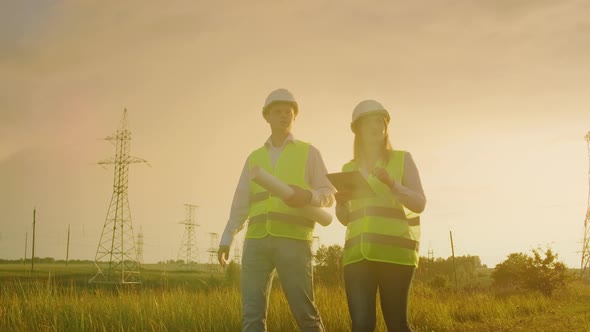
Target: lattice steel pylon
586, 241
237, 255
213, 251
140, 245
189, 252
315, 245
116, 256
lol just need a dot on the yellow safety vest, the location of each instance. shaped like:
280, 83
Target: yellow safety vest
379, 229
268, 214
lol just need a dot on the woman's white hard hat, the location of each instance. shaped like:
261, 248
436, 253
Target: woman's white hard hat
367, 107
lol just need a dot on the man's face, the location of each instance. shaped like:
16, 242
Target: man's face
280, 116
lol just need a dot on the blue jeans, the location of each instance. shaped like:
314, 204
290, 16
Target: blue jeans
362, 279
292, 260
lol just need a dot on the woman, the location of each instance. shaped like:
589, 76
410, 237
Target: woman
383, 231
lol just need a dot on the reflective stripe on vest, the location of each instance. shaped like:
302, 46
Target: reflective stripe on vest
286, 218
268, 214
379, 228
394, 241
379, 211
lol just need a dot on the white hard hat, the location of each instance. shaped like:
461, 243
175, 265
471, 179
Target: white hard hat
367, 107
280, 95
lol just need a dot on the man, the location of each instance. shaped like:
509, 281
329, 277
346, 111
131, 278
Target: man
278, 235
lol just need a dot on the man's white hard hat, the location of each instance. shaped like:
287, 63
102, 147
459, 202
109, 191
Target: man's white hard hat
280, 95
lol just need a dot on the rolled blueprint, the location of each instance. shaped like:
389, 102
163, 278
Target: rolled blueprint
283, 191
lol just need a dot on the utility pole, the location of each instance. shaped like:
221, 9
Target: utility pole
26, 244
68, 246
454, 265
33, 257
586, 241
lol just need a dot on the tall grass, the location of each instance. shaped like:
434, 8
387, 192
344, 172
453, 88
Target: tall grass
40, 306
48, 305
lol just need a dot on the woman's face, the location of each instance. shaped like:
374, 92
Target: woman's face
372, 128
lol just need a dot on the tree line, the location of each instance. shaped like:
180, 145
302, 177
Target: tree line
45, 260
538, 271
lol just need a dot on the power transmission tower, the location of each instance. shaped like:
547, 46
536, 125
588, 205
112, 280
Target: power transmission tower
213, 251
116, 256
140, 245
586, 241
429, 260
237, 256
189, 252
315, 245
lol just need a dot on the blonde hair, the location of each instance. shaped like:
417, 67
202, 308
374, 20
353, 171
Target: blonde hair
359, 149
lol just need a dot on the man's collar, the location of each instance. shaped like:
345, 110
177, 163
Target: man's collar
289, 139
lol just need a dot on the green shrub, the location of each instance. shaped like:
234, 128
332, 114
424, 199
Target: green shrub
544, 274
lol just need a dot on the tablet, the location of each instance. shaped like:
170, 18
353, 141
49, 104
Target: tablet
353, 182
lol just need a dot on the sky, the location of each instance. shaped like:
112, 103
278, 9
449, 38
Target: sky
489, 97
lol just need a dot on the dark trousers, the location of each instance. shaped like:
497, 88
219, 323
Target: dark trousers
363, 279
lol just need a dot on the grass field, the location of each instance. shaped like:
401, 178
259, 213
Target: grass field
56, 298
